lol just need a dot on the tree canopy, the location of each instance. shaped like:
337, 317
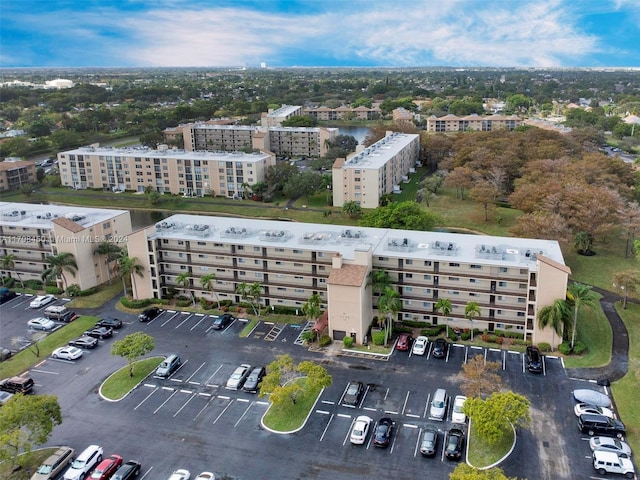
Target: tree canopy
132, 347
479, 378
493, 416
281, 382
467, 472
401, 215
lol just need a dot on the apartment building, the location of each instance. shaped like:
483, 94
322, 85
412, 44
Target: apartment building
481, 123
16, 173
368, 174
31, 232
328, 114
509, 278
274, 118
283, 141
178, 172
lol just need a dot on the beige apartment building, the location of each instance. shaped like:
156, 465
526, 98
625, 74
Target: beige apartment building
284, 141
274, 118
368, 174
328, 114
16, 173
481, 123
178, 172
511, 279
31, 232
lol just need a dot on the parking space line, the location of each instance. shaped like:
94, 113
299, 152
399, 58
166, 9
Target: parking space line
364, 396
406, 399
169, 319
344, 415
214, 374
224, 397
412, 415
146, 398
389, 412
415, 450
194, 383
426, 406
344, 442
327, 402
203, 394
197, 370
504, 360
393, 442
242, 416
182, 322
149, 385
324, 412
326, 427
184, 404
224, 410
45, 371
204, 408
199, 321
146, 473
243, 400
262, 403
170, 389
370, 409
386, 393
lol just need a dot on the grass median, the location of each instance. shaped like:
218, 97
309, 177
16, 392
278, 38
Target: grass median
29, 463
120, 383
482, 454
288, 417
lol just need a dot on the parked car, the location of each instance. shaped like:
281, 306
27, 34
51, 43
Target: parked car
82, 465
222, 321
67, 353
100, 332
206, 476
581, 408
252, 383
601, 425
180, 474
609, 444
5, 397
238, 377
420, 345
353, 394
54, 464
438, 408
110, 322
107, 468
41, 323
454, 444
149, 314
360, 430
6, 295
534, 359
59, 313
609, 462
17, 385
5, 354
429, 442
168, 366
383, 432
458, 416
42, 300
404, 342
440, 347
84, 342
592, 397
127, 471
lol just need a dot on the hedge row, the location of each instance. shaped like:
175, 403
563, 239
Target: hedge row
144, 302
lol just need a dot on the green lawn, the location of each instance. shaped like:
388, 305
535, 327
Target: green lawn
105, 293
29, 462
120, 383
595, 332
248, 328
288, 416
483, 454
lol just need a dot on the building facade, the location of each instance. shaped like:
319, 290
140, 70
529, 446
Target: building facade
368, 174
31, 232
15, 174
178, 172
510, 279
328, 114
481, 123
274, 118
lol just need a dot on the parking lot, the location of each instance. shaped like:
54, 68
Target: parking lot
190, 420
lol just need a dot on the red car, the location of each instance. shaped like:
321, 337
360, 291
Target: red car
107, 468
404, 342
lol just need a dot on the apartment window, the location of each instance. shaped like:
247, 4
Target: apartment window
427, 277
520, 314
297, 252
473, 280
280, 250
408, 275
202, 243
299, 290
426, 304
454, 279
474, 266
257, 262
502, 284
504, 269
426, 291
298, 265
280, 275
106, 225
282, 289
427, 263
523, 271
279, 263
242, 273
320, 254
180, 255
201, 256
241, 260
298, 277
408, 262
240, 247
522, 300
408, 289
454, 264
322, 281
383, 259
407, 302
522, 285
256, 249
258, 275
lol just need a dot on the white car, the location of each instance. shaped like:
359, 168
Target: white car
67, 353
206, 476
180, 474
41, 323
360, 430
238, 377
582, 408
420, 345
42, 300
458, 416
609, 444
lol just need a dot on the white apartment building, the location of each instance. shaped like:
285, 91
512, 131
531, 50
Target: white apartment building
274, 118
172, 171
481, 123
379, 169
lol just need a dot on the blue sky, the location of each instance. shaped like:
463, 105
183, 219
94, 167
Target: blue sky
285, 33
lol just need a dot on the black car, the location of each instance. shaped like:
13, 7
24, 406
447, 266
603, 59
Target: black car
252, 383
84, 342
454, 444
534, 359
440, 347
429, 442
600, 425
353, 394
222, 321
110, 322
383, 432
6, 295
127, 471
100, 332
149, 314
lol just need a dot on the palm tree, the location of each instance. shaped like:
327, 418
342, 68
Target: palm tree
184, 280
128, 267
111, 251
554, 316
8, 262
207, 283
389, 304
580, 295
312, 309
444, 305
251, 292
471, 310
379, 280
58, 265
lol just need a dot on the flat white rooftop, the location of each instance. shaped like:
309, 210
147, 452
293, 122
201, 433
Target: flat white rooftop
380, 152
142, 152
33, 215
284, 110
435, 246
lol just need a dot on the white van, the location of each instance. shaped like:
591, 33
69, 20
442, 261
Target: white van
610, 462
81, 466
438, 405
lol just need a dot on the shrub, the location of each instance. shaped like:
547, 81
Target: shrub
33, 284
87, 292
183, 303
348, 342
433, 331
402, 329
226, 303
466, 335
324, 340
544, 347
415, 324
73, 290
378, 338
309, 336
281, 310
579, 348
486, 337
452, 335
564, 348
8, 282
143, 302
52, 290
